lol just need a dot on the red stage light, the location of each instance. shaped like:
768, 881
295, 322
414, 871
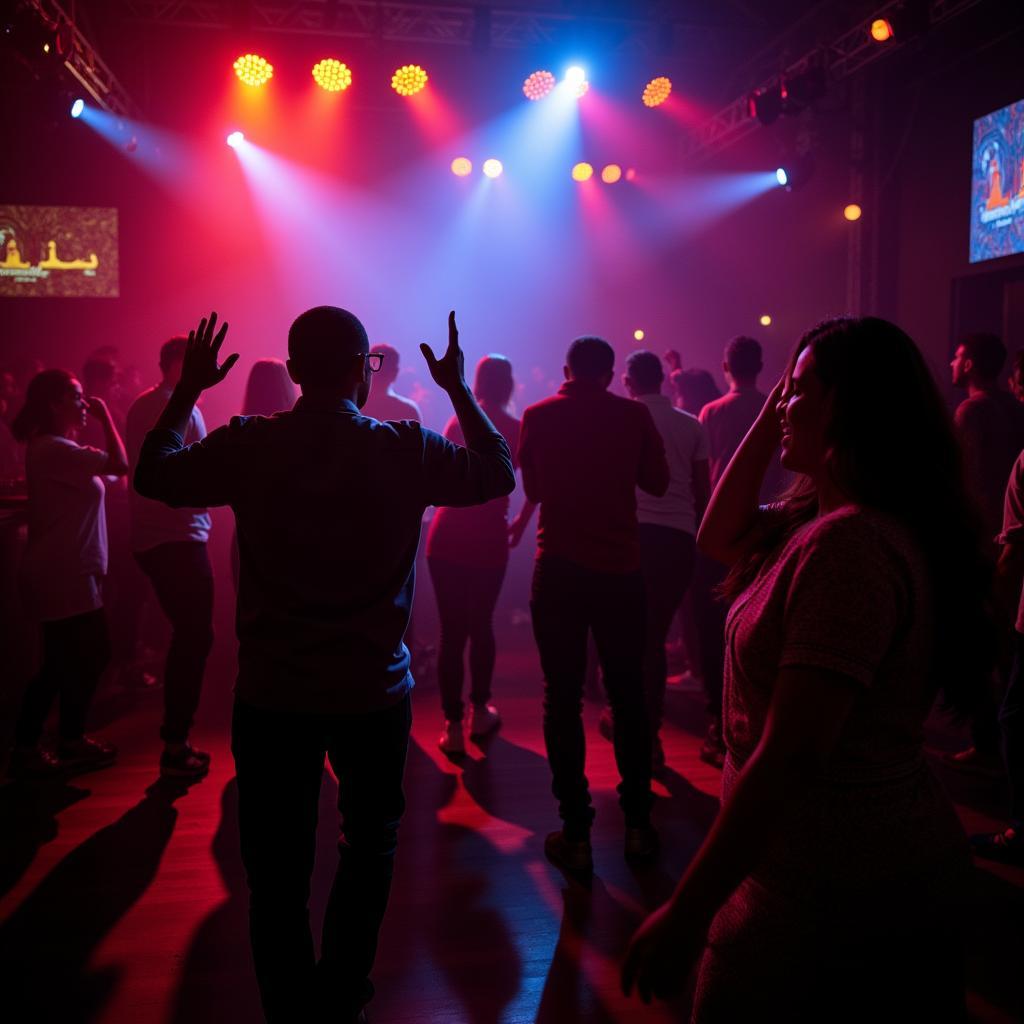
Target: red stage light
331, 75
253, 70
538, 85
409, 80
881, 30
656, 91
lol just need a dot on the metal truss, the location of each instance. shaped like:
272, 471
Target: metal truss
82, 59
844, 56
454, 24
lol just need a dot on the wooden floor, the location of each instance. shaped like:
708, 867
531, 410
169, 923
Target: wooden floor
121, 903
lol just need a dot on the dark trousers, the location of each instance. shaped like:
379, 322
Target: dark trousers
568, 600
279, 762
182, 579
667, 559
466, 598
1011, 725
75, 653
709, 614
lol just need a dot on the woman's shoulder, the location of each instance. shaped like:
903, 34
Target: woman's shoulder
858, 534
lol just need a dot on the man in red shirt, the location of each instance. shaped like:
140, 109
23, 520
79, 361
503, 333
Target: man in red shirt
583, 453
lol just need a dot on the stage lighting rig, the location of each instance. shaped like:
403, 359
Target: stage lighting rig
77, 107
766, 104
795, 172
253, 70
657, 91
538, 85
409, 79
331, 75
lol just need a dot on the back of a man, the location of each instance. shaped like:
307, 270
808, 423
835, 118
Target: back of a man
583, 453
328, 504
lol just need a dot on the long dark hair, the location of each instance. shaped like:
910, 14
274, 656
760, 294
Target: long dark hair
892, 448
494, 383
36, 416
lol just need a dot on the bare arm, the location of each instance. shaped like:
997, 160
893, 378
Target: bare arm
731, 514
117, 458
518, 526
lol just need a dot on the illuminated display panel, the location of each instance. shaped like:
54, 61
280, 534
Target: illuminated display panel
997, 184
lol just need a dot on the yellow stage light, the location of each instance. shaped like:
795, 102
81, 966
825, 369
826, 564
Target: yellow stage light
881, 30
253, 70
582, 172
461, 167
766, 320
852, 212
331, 75
638, 334
611, 174
409, 79
656, 91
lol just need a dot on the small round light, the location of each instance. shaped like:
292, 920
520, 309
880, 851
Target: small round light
331, 75
409, 79
492, 168
235, 139
582, 171
462, 166
538, 85
765, 320
611, 174
852, 212
630, 173
881, 30
656, 91
638, 334
575, 75
253, 70
781, 176
46, 47
77, 107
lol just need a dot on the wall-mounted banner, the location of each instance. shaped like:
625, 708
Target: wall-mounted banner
997, 200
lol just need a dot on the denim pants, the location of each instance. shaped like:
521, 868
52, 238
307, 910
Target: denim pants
279, 762
567, 601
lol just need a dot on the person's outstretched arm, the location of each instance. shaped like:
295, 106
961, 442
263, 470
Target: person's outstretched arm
483, 469
731, 514
117, 459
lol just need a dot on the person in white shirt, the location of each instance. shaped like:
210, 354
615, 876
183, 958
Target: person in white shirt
63, 569
668, 525
170, 546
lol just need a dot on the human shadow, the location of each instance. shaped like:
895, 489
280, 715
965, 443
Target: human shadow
47, 943
28, 821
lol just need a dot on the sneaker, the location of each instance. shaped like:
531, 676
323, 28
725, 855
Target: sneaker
33, 763
1007, 847
452, 741
974, 761
187, 763
606, 725
712, 750
641, 843
86, 754
483, 720
573, 856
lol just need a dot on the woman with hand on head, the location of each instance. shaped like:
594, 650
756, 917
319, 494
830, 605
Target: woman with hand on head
831, 884
63, 568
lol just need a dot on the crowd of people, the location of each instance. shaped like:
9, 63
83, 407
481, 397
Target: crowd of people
840, 585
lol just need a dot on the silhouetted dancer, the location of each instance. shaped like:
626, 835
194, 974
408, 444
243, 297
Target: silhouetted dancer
328, 505
583, 453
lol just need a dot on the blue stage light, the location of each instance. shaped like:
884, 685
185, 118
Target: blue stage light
77, 107
781, 176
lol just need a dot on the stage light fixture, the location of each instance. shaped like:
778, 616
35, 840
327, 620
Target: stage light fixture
409, 79
881, 30
656, 91
77, 107
796, 172
852, 212
538, 85
611, 174
766, 104
331, 75
253, 70
492, 168
638, 334
765, 320
575, 75
582, 171
462, 167
781, 176
235, 139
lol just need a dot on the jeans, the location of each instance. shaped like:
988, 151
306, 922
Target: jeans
183, 581
466, 597
568, 600
75, 653
1011, 726
667, 559
279, 762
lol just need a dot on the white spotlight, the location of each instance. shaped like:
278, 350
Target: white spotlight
235, 139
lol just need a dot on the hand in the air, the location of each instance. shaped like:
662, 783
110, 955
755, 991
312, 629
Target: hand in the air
200, 369
448, 371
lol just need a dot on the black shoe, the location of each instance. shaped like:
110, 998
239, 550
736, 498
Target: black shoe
573, 856
184, 764
641, 843
86, 754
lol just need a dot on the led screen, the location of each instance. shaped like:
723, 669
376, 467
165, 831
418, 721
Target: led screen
997, 196
58, 251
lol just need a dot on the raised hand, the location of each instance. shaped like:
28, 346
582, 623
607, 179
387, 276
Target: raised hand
200, 369
448, 371
674, 359
97, 408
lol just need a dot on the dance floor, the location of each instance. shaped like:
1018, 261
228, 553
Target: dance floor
122, 902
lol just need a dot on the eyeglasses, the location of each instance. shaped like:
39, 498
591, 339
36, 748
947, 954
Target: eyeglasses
375, 360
